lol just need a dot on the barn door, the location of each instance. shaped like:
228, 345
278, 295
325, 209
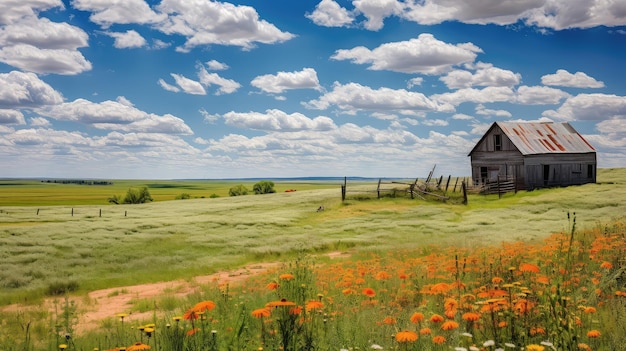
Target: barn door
546, 175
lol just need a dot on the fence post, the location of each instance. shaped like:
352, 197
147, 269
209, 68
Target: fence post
378, 189
464, 187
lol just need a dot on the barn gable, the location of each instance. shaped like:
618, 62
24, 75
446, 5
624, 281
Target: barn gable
534, 154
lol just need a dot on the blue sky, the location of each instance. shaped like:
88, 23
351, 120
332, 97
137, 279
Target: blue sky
177, 89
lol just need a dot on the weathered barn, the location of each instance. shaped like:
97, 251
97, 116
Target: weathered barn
534, 155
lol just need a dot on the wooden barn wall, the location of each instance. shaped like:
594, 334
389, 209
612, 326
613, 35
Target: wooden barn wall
559, 170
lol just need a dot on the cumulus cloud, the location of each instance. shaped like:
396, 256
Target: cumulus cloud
119, 115
485, 75
226, 86
564, 78
187, 85
277, 120
26, 90
12, 11
329, 13
483, 111
39, 122
127, 40
212, 22
539, 95
42, 46
590, 107
167, 86
554, 14
278, 83
215, 65
354, 97
424, 54
106, 13
485, 95
11, 117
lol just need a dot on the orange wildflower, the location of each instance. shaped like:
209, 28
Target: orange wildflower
193, 331
449, 325
138, 346
272, 286
295, 311
529, 267
439, 339
497, 280
584, 347
593, 334
389, 321
435, 318
450, 313
471, 316
590, 310
382, 275
417, 317
286, 276
537, 330
502, 324
261, 312
425, 331
281, 302
204, 306
314, 304
369, 292
191, 314
406, 336
606, 265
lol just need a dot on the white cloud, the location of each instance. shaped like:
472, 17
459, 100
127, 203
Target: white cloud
189, 86
227, 86
354, 97
613, 126
485, 95
424, 54
167, 86
539, 95
11, 117
39, 122
377, 10
13, 11
215, 65
277, 120
278, 83
117, 115
106, 13
209, 22
208, 117
591, 107
26, 90
485, 75
33, 59
414, 82
481, 110
329, 13
564, 78
127, 40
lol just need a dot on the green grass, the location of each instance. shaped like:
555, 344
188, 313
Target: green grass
44, 246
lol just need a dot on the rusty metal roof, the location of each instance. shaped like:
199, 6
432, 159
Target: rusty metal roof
541, 138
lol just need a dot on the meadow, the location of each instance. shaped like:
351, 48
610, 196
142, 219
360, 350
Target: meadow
521, 262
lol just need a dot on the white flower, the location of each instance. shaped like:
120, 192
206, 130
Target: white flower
489, 343
459, 348
467, 334
376, 347
549, 344
474, 348
508, 344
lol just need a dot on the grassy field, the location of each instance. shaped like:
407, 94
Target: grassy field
75, 245
97, 246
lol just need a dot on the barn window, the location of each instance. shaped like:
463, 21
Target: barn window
483, 174
497, 142
590, 171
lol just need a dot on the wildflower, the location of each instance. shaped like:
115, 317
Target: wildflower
589, 310
282, 302
435, 318
529, 267
369, 292
489, 343
606, 265
389, 321
534, 347
138, 346
459, 348
177, 318
122, 315
382, 275
204, 306
406, 336
593, 334
502, 324
191, 314
471, 316
314, 304
295, 311
347, 291
425, 331
417, 317
376, 347
584, 347
508, 344
449, 325
439, 339
272, 286
261, 312
467, 335
193, 331
537, 330
286, 276
497, 280
62, 347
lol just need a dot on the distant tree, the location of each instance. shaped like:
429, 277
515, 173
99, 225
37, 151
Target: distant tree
137, 196
264, 187
238, 190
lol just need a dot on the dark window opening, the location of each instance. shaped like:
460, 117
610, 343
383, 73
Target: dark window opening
483, 174
497, 142
590, 171
546, 174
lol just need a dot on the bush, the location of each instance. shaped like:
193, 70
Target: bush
61, 288
183, 196
238, 190
137, 196
264, 187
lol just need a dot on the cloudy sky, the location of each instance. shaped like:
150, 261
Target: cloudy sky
282, 88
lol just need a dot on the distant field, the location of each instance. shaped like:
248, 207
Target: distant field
84, 243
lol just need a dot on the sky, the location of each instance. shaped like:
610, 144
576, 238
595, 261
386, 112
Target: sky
199, 89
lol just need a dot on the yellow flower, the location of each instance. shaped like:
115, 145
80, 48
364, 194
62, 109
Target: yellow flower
534, 347
62, 347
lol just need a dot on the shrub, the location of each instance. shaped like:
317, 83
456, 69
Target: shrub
61, 287
137, 196
264, 187
238, 190
183, 196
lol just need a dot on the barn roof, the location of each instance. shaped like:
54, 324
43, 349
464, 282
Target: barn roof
543, 138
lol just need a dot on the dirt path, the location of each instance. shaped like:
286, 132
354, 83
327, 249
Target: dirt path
101, 304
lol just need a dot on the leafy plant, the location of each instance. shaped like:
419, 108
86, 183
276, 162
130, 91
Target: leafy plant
264, 187
238, 190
